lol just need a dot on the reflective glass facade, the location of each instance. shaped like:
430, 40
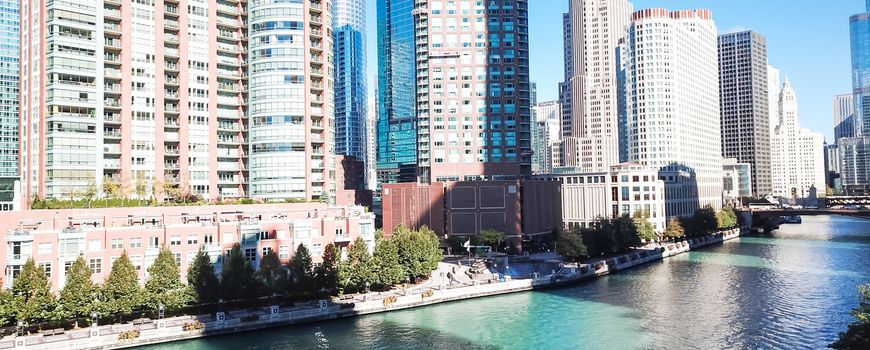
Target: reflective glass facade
397, 134
9, 17
855, 150
350, 78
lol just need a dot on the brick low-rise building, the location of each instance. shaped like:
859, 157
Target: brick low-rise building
56, 238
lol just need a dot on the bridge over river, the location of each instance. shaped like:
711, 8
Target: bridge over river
768, 219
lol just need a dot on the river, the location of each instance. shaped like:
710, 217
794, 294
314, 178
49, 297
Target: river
791, 290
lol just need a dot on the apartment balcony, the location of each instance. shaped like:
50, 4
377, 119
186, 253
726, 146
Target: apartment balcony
170, 122
315, 7
112, 118
344, 238
171, 136
170, 94
171, 151
112, 103
111, 148
170, 51
113, 2
112, 88
171, 24
112, 28
318, 20
171, 166
230, 22
316, 33
173, 66
229, 166
112, 134
227, 9
111, 164
228, 35
112, 43
171, 38
170, 80
112, 13
170, 10
172, 180
112, 58
170, 108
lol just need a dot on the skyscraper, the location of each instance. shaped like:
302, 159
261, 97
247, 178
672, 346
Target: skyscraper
672, 104
773, 89
589, 96
844, 120
350, 78
9, 51
797, 154
471, 104
855, 151
743, 95
548, 116
397, 119
291, 150
147, 97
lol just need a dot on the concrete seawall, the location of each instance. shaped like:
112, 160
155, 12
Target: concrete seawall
191, 327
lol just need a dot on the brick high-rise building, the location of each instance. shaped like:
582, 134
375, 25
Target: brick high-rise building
744, 109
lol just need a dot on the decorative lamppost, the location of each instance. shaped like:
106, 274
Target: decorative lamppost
160, 310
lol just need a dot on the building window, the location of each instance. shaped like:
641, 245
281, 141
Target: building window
46, 266
267, 250
136, 242
96, 265
317, 249
175, 240
153, 242
177, 258
117, 243
250, 254
208, 239
284, 252
193, 239
94, 245
66, 266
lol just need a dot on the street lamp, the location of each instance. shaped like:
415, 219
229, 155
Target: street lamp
94, 318
367, 287
20, 328
160, 310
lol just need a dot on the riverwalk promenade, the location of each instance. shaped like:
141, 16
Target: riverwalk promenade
436, 290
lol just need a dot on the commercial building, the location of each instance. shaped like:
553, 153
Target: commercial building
54, 239
844, 116
774, 84
797, 153
856, 150
545, 136
833, 161
736, 181
671, 111
627, 189
372, 143
743, 104
589, 94
397, 118
9, 56
349, 26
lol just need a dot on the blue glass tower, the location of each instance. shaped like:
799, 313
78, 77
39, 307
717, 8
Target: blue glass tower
397, 134
350, 78
9, 19
856, 150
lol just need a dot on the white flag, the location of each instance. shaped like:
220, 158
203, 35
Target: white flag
467, 243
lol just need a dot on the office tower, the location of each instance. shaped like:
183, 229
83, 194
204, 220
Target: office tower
291, 95
797, 153
589, 96
372, 142
397, 126
467, 62
350, 78
773, 88
743, 96
546, 135
144, 96
9, 54
844, 120
855, 151
672, 104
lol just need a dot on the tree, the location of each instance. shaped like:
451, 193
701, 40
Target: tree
857, 336
419, 250
626, 233
674, 229
645, 230
570, 245
359, 266
7, 311
77, 297
90, 192
272, 276
164, 286
31, 294
491, 238
111, 187
121, 291
302, 271
703, 221
237, 276
726, 218
386, 269
141, 187
202, 279
327, 271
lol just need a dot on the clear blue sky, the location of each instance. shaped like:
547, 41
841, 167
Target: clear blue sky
807, 39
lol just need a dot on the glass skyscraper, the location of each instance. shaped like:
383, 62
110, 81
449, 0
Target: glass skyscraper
856, 150
397, 134
350, 78
9, 19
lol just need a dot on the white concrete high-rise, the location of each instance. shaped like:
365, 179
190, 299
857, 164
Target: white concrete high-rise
671, 113
773, 89
589, 94
371, 163
546, 135
798, 161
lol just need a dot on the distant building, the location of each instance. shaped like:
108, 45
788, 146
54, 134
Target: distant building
743, 95
844, 116
736, 181
627, 189
56, 238
855, 151
545, 135
372, 143
590, 92
9, 56
832, 168
774, 85
682, 140
349, 27
798, 154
